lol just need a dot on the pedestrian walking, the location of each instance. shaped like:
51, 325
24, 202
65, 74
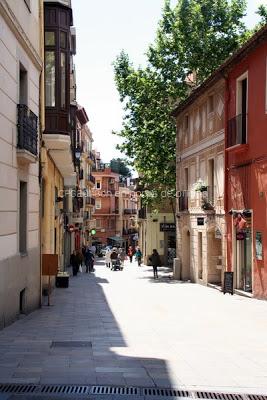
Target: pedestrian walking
107, 258
122, 256
130, 253
138, 255
74, 262
89, 260
156, 262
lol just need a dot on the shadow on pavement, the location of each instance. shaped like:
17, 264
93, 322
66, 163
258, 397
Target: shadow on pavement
80, 316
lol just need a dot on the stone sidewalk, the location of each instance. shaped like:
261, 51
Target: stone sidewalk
124, 328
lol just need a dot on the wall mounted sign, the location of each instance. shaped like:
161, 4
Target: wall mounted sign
200, 221
167, 227
258, 244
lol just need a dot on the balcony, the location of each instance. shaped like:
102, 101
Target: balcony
134, 211
91, 157
127, 211
27, 134
183, 201
89, 201
91, 179
237, 131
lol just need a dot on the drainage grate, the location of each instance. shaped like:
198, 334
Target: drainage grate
115, 390
64, 389
165, 392
18, 388
71, 343
219, 396
256, 397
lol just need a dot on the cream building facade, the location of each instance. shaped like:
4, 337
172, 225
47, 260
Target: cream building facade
21, 25
157, 231
200, 186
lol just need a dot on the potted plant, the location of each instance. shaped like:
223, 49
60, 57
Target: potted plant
207, 206
201, 186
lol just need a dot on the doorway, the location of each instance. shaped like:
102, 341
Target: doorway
244, 262
186, 255
214, 259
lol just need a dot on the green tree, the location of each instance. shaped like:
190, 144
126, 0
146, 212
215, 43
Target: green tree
119, 165
194, 36
262, 12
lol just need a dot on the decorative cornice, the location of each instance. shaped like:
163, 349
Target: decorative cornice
205, 144
20, 34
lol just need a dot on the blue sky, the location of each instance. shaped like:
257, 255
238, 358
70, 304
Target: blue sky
104, 28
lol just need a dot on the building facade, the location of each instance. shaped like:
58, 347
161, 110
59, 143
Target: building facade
156, 230
106, 212
86, 181
127, 220
246, 166
58, 139
21, 123
200, 215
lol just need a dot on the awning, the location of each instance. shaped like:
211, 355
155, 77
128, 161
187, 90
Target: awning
116, 239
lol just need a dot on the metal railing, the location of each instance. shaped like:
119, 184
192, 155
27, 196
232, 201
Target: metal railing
142, 213
91, 156
237, 130
91, 178
27, 129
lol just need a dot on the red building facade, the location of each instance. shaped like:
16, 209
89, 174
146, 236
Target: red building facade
106, 213
246, 165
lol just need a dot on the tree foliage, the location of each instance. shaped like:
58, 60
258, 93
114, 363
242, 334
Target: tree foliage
194, 36
119, 165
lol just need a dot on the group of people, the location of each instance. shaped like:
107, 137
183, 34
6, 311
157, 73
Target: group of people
86, 257
115, 254
120, 254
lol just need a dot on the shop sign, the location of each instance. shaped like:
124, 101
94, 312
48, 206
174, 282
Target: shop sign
259, 246
218, 233
167, 227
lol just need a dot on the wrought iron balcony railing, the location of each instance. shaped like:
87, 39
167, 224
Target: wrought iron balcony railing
27, 129
237, 130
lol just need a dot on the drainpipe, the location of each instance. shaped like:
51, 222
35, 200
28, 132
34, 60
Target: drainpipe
41, 127
226, 118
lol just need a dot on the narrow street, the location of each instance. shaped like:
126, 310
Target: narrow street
139, 332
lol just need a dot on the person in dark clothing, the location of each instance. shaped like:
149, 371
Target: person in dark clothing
138, 256
156, 262
74, 262
131, 253
89, 260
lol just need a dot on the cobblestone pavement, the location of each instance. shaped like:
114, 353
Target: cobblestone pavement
140, 332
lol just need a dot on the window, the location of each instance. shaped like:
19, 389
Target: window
63, 40
50, 38
23, 218
186, 118
98, 184
210, 104
98, 223
23, 85
50, 79
63, 79
241, 108
211, 181
98, 204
